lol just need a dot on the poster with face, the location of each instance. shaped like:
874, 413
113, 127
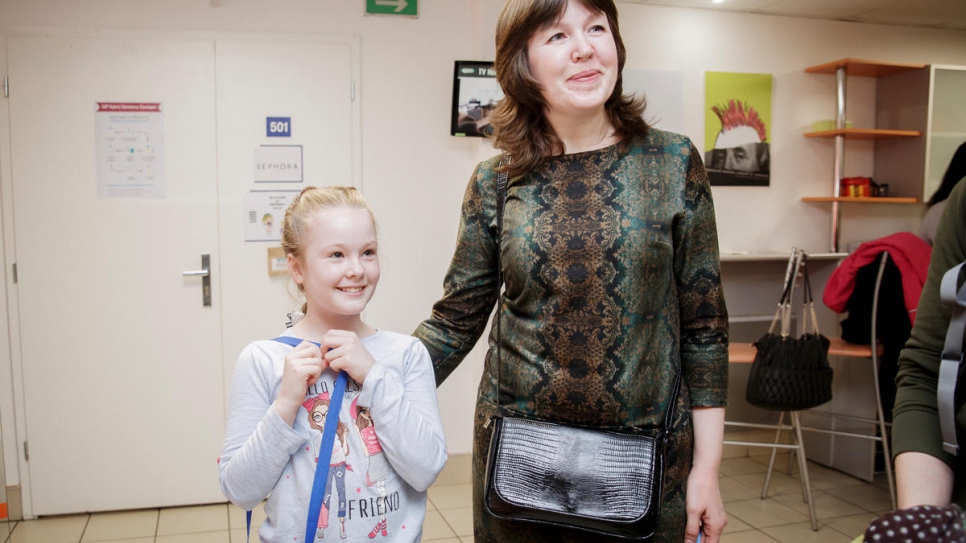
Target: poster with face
737, 128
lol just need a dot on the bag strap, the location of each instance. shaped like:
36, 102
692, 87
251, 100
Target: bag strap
808, 303
783, 313
502, 181
951, 358
325, 449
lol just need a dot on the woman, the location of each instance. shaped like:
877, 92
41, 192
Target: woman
610, 261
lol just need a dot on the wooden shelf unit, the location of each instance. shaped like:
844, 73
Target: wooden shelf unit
863, 68
841, 69
862, 199
864, 133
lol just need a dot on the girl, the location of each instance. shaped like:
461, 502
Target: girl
280, 394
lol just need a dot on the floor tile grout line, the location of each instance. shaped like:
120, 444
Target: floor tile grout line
84, 530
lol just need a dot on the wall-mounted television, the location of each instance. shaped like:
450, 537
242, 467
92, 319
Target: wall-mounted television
475, 93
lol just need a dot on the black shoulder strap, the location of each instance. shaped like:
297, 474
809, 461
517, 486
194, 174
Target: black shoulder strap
501, 183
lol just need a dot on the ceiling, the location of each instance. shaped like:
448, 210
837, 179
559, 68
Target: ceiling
949, 14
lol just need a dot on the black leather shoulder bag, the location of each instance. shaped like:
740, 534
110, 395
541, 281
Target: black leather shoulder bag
601, 481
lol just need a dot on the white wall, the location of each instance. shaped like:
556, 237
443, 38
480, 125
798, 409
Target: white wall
414, 173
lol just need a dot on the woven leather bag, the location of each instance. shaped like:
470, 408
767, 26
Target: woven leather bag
789, 373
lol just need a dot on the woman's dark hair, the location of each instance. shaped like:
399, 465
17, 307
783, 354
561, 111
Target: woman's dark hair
954, 172
519, 119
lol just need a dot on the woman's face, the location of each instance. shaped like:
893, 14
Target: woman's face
575, 61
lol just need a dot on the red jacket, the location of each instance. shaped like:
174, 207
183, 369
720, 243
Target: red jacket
909, 253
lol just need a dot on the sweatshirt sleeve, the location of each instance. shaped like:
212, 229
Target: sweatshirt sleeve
402, 401
258, 443
915, 425
704, 317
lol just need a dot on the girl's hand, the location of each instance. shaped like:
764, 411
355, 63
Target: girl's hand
706, 512
344, 352
302, 367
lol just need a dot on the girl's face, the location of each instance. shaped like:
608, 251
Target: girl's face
575, 61
339, 268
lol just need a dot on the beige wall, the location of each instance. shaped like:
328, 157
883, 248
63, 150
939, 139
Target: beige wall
414, 173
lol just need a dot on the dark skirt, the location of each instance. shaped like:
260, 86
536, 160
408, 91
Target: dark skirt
489, 529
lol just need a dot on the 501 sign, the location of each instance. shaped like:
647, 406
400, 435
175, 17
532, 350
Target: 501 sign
278, 127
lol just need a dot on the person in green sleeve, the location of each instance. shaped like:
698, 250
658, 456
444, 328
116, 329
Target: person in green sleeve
925, 473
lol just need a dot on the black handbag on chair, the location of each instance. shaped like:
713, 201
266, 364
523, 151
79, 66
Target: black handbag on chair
789, 373
606, 482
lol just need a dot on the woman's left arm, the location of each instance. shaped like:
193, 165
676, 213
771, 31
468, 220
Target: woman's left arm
704, 506
704, 349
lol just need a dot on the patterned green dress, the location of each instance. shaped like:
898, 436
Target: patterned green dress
610, 261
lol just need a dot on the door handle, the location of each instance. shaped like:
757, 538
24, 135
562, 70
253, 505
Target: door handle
205, 275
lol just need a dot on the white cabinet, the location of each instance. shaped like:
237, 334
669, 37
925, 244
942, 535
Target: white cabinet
930, 100
947, 122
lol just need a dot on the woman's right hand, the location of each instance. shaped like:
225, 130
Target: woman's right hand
302, 367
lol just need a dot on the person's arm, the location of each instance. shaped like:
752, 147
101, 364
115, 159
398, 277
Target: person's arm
704, 350
704, 506
922, 479
258, 442
916, 434
401, 398
704, 317
471, 285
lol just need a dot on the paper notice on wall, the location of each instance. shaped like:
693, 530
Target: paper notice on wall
264, 211
130, 149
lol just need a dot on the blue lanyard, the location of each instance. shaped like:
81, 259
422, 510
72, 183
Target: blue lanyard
325, 451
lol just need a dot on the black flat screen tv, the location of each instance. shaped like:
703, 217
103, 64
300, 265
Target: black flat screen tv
475, 93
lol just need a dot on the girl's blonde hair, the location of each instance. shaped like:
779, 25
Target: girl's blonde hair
307, 205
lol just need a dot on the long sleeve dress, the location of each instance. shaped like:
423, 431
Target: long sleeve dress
612, 287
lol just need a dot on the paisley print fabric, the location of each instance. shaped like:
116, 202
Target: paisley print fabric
612, 287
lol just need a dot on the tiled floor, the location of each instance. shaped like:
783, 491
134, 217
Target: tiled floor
844, 506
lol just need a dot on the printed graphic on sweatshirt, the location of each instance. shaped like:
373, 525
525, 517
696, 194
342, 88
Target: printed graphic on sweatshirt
377, 472
369, 511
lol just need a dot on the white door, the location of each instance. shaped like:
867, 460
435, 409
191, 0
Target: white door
122, 365
310, 82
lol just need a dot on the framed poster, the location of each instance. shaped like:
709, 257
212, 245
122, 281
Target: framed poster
738, 128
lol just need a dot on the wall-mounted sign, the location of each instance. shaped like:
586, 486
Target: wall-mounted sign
278, 127
391, 7
278, 164
130, 149
277, 262
264, 211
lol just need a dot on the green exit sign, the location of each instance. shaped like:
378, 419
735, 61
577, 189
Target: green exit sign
391, 7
